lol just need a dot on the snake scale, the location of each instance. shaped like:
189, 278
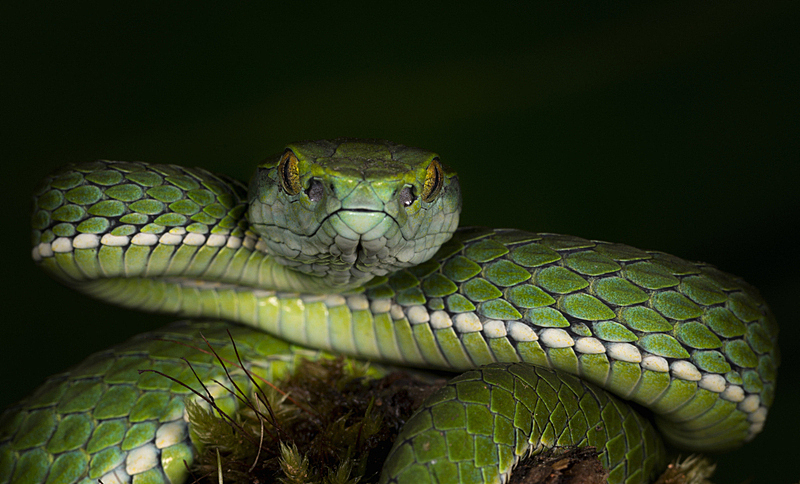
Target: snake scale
350, 246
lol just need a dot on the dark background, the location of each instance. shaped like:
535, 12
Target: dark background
670, 127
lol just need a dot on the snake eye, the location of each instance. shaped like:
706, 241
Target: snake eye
434, 179
290, 173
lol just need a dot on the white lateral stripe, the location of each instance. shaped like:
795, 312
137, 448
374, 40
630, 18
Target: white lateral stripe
194, 239
170, 239
556, 338
45, 250
359, 302
234, 242
62, 244
171, 433
494, 328
760, 415
590, 346
521, 332
397, 312
333, 300
712, 383
624, 352
733, 393
379, 306
685, 371
115, 240
417, 315
467, 323
750, 403
755, 428
216, 240
440, 320
655, 363
144, 239
86, 241
141, 459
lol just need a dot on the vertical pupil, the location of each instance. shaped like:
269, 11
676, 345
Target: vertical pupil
287, 169
433, 182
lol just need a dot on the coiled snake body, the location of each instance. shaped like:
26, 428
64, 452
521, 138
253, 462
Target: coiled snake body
349, 246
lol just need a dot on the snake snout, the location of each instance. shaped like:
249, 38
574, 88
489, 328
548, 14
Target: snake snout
367, 236
362, 224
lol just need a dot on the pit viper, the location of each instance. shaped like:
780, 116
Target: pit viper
351, 246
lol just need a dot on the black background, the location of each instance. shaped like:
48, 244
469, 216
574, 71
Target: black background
670, 127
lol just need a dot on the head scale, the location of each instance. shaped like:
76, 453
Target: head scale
347, 210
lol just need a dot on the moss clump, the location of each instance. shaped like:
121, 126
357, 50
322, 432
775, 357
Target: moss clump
328, 423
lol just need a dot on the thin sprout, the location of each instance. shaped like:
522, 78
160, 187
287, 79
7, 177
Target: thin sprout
201, 350
208, 400
262, 379
258, 388
260, 444
247, 403
225, 368
242, 396
219, 467
199, 380
272, 419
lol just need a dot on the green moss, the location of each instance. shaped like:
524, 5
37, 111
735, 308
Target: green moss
321, 425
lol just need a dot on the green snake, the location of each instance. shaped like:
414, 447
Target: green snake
350, 246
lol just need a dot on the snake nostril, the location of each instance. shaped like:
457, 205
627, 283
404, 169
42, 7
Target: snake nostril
315, 190
406, 196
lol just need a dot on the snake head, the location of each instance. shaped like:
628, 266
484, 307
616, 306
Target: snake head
347, 210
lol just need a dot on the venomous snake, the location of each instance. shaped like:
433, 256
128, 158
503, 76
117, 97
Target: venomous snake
351, 246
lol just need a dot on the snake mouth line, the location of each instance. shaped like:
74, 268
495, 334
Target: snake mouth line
358, 210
